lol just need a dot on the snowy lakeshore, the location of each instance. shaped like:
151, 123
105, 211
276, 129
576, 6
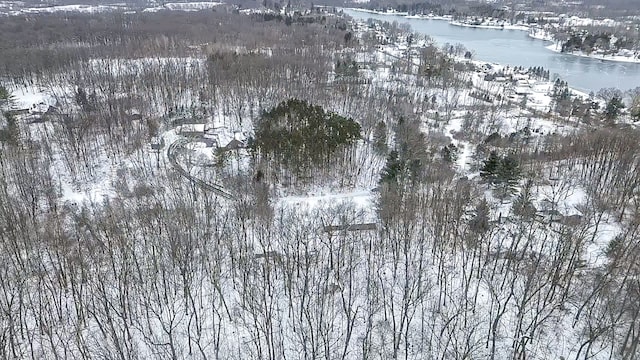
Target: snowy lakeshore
540, 34
490, 24
629, 58
495, 25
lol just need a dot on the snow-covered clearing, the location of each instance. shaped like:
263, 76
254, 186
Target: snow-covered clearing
363, 200
32, 99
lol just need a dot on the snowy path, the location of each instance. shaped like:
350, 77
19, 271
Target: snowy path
465, 148
218, 189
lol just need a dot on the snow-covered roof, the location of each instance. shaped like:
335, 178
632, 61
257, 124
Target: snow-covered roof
192, 128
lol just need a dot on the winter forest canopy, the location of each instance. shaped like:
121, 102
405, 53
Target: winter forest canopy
228, 184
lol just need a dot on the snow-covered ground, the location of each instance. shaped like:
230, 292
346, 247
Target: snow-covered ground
540, 34
33, 99
363, 200
425, 268
94, 192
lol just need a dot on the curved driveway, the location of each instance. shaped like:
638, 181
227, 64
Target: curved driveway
216, 188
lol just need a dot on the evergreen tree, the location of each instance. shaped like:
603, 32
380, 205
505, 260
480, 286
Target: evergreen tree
380, 137
490, 168
5, 94
509, 169
11, 133
635, 109
82, 99
450, 153
479, 224
393, 169
508, 175
614, 106
501, 171
522, 205
298, 134
6, 98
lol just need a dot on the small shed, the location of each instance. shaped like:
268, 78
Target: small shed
235, 144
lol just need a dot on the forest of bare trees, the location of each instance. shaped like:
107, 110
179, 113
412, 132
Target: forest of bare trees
108, 251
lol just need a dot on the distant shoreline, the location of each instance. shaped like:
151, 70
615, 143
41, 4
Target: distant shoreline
494, 27
403, 14
613, 58
395, 13
447, 18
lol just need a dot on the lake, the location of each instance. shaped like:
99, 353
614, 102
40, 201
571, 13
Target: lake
516, 48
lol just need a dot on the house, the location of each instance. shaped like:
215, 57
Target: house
192, 130
235, 144
550, 215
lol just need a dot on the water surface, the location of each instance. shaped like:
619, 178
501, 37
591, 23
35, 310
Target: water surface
516, 48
